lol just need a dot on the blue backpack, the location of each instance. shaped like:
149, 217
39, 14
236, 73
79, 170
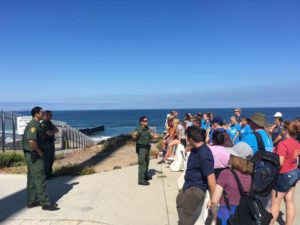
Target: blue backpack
266, 168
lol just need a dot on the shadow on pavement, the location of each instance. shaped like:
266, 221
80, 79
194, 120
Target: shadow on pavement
17, 201
58, 186
153, 172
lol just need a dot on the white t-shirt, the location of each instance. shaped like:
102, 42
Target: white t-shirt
181, 128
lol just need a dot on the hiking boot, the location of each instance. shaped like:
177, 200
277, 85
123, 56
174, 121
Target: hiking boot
50, 207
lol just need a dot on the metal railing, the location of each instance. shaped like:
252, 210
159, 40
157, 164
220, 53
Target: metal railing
66, 138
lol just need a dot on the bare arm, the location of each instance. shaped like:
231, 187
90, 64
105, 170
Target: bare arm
277, 139
211, 180
207, 135
134, 135
281, 160
154, 136
215, 200
33, 144
236, 136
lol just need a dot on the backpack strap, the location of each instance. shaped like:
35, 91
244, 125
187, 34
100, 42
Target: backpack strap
260, 142
226, 201
238, 182
241, 190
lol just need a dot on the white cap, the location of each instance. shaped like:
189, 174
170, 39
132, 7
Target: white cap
278, 114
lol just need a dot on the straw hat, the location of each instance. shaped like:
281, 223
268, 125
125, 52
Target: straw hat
260, 119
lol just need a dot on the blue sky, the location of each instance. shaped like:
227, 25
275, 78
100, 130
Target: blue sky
121, 54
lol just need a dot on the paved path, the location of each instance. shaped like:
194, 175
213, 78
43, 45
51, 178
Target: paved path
109, 198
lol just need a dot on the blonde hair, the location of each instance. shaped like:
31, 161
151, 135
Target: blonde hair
242, 165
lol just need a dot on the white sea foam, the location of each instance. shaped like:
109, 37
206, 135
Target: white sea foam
102, 138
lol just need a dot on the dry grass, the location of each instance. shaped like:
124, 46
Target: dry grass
112, 154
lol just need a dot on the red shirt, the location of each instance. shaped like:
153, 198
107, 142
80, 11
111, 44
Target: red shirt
286, 149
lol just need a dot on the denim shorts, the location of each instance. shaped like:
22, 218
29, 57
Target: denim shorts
287, 180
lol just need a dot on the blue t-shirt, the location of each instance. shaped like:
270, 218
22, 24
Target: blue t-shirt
250, 139
204, 124
232, 130
244, 131
200, 165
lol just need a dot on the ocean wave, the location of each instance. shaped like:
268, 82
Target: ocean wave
102, 138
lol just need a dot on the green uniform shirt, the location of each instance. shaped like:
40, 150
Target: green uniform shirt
144, 135
48, 126
32, 132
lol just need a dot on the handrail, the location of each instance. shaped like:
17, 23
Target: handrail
67, 137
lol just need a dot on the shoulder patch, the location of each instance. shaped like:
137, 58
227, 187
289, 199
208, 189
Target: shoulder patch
33, 129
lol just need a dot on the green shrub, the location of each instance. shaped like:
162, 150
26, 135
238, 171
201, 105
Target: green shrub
9, 159
159, 144
59, 156
117, 167
73, 170
87, 170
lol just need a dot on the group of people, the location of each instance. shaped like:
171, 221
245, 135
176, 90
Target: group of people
39, 148
220, 153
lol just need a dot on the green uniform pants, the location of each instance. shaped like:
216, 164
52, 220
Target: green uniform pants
143, 161
49, 152
36, 183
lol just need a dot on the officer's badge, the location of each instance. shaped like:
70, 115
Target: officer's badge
33, 129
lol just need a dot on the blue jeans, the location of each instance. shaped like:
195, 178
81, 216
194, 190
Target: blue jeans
287, 180
224, 214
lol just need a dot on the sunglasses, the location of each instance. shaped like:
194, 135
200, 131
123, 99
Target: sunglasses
145, 120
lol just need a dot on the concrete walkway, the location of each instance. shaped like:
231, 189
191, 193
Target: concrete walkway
109, 198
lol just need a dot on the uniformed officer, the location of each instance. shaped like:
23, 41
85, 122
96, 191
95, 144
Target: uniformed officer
143, 136
49, 131
33, 154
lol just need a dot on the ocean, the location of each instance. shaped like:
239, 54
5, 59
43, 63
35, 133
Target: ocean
118, 122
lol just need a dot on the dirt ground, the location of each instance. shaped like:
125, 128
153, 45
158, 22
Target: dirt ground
123, 156
97, 158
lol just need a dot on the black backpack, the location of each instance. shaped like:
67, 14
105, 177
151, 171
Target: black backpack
266, 167
249, 211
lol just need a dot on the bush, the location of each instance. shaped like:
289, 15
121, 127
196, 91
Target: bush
73, 170
59, 156
9, 159
159, 144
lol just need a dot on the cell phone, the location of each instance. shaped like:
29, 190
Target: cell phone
209, 218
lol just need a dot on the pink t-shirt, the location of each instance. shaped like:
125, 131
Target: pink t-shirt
227, 182
221, 156
286, 149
